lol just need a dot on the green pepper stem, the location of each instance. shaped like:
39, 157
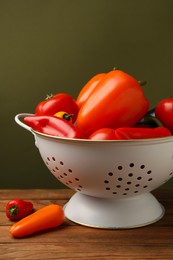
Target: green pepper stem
115, 68
13, 211
142, 82
67, 116
49, 96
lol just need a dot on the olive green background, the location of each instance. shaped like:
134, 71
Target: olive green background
51, 46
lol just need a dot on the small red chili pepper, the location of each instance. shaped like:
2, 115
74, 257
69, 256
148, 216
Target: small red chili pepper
126, 133
18, 209
52, 125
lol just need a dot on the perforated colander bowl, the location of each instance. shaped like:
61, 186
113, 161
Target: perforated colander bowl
112, 179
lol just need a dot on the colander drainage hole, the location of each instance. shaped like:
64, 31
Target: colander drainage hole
131, 165
142, 166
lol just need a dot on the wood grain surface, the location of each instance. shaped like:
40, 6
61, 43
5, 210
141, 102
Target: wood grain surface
73, 241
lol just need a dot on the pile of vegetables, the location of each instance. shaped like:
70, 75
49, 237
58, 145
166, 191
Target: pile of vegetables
111, 106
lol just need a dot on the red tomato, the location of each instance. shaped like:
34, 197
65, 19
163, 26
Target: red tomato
87, 90
59, 102
118, 100
103, 134
164, 112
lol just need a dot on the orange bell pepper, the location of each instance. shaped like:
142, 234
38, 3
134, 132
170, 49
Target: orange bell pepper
117, 100
88, 88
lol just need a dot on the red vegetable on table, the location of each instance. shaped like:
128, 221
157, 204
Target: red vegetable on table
18, 209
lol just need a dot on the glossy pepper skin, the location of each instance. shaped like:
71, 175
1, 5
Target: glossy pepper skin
88, 88
127, 133
52, 125
118, 100
103, 134
56, 103
18, 209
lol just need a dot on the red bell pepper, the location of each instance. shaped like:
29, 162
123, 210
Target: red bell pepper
52, 125
117, 101
126, 133
18, 209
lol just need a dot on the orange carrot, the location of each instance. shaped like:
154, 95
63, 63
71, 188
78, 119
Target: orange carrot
47, 217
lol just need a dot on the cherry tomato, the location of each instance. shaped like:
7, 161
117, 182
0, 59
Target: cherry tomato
56, 103
164, 112
87, 90
118, 100
103, 134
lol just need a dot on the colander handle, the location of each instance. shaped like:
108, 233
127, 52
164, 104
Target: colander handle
19, 122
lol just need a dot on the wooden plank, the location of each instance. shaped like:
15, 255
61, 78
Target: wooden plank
73, 251
64, 194
36, 194
78, 234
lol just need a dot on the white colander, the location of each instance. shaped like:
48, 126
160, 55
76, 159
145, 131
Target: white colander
112, 179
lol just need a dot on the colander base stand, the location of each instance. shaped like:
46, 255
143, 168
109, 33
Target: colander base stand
111, 213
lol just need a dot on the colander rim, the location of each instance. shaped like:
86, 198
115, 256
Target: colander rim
84, 140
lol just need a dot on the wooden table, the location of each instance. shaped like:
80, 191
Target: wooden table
72, 241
